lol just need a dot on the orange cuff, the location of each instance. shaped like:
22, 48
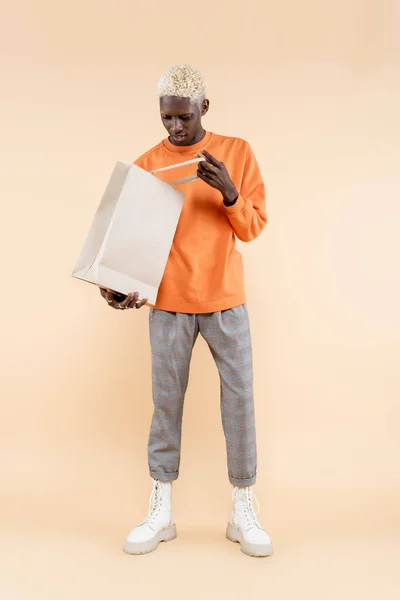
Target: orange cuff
236, 208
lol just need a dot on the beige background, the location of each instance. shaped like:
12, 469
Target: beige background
314, 86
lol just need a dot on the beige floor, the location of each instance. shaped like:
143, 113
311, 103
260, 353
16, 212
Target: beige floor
69, 560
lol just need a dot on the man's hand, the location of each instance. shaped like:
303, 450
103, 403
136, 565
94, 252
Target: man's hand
131, 301
214, 173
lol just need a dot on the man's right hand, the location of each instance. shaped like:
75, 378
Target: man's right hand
131, 301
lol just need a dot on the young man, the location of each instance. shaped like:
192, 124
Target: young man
202, 291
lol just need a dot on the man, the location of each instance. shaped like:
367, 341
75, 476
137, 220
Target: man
202, 291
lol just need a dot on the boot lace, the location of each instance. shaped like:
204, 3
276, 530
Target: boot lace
246, 495
154, 502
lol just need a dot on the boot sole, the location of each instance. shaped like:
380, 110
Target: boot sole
234, 535
165, 535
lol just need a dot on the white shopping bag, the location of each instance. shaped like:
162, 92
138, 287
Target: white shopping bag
128, 244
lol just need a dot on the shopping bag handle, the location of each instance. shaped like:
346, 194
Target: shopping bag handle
182, 164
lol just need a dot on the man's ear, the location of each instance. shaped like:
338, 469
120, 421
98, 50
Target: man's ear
205, 105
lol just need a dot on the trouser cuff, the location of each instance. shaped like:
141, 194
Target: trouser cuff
242, 482
164, 477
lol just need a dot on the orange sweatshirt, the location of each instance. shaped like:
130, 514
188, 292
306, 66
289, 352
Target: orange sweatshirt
204, 272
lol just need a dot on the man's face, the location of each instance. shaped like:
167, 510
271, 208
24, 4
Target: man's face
182, 119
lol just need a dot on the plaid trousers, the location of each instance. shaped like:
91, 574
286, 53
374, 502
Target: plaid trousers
172, 338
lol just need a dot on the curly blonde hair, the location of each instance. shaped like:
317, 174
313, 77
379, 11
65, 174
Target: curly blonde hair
182, 81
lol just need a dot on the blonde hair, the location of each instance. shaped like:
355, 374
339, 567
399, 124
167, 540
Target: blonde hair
182, 81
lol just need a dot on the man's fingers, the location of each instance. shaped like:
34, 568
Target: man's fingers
109, 296
130, 300
207, 167
125, 303
208, 178
208, 172
135, 298
210, 158
141, 303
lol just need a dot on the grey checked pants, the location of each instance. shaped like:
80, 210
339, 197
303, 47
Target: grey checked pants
172, 338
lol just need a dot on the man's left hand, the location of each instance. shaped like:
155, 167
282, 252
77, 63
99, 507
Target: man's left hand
214, 173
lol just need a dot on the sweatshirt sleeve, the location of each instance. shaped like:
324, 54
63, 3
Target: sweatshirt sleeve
248, 215
139, 162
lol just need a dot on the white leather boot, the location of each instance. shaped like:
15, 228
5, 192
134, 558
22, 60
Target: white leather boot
157, 527
244, 527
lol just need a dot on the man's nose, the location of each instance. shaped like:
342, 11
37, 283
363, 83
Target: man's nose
176, 125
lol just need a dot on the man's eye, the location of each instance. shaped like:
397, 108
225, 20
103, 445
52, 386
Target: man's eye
185, 118
166, 118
